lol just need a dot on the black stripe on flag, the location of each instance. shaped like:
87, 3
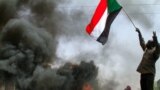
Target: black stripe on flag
104, 36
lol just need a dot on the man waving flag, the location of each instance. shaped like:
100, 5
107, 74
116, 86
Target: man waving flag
104, 15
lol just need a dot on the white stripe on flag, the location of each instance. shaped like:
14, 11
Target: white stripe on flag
99, 28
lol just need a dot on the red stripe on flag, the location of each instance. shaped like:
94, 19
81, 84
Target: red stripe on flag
97, 16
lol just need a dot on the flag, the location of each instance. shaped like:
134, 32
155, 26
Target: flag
104, 15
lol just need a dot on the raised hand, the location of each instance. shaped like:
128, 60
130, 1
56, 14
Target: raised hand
154, 33
137, 30
155, 38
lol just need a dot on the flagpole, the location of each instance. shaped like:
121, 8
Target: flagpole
129, 18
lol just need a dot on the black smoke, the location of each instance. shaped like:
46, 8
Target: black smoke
26, 52
8, 10
67, 77
28, 46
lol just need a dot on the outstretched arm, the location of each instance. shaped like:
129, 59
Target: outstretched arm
141, 40
156, 43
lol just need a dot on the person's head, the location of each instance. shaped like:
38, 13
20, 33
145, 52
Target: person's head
128, 88
150, 44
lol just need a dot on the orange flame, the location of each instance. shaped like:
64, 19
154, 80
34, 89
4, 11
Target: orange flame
87, 86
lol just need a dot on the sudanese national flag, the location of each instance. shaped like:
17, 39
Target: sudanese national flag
104, 15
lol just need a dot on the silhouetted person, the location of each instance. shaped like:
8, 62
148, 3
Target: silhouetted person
147, 65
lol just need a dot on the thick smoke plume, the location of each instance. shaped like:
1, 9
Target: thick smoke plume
8, 10
67, 77
27, 50
23, 35
25, 56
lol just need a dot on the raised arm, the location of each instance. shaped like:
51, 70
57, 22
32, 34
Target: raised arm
156, 43
141, 40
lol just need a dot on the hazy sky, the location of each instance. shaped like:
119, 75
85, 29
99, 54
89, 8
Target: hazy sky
119, 58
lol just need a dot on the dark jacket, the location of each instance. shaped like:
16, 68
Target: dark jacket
150, 56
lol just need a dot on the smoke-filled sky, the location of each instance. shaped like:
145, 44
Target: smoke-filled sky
66, 20
119, 58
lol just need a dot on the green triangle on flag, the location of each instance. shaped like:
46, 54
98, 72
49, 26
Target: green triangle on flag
113, 6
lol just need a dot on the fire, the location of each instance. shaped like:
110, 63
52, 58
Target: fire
87, 86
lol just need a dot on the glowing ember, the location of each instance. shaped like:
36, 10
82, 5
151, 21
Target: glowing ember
87, 86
